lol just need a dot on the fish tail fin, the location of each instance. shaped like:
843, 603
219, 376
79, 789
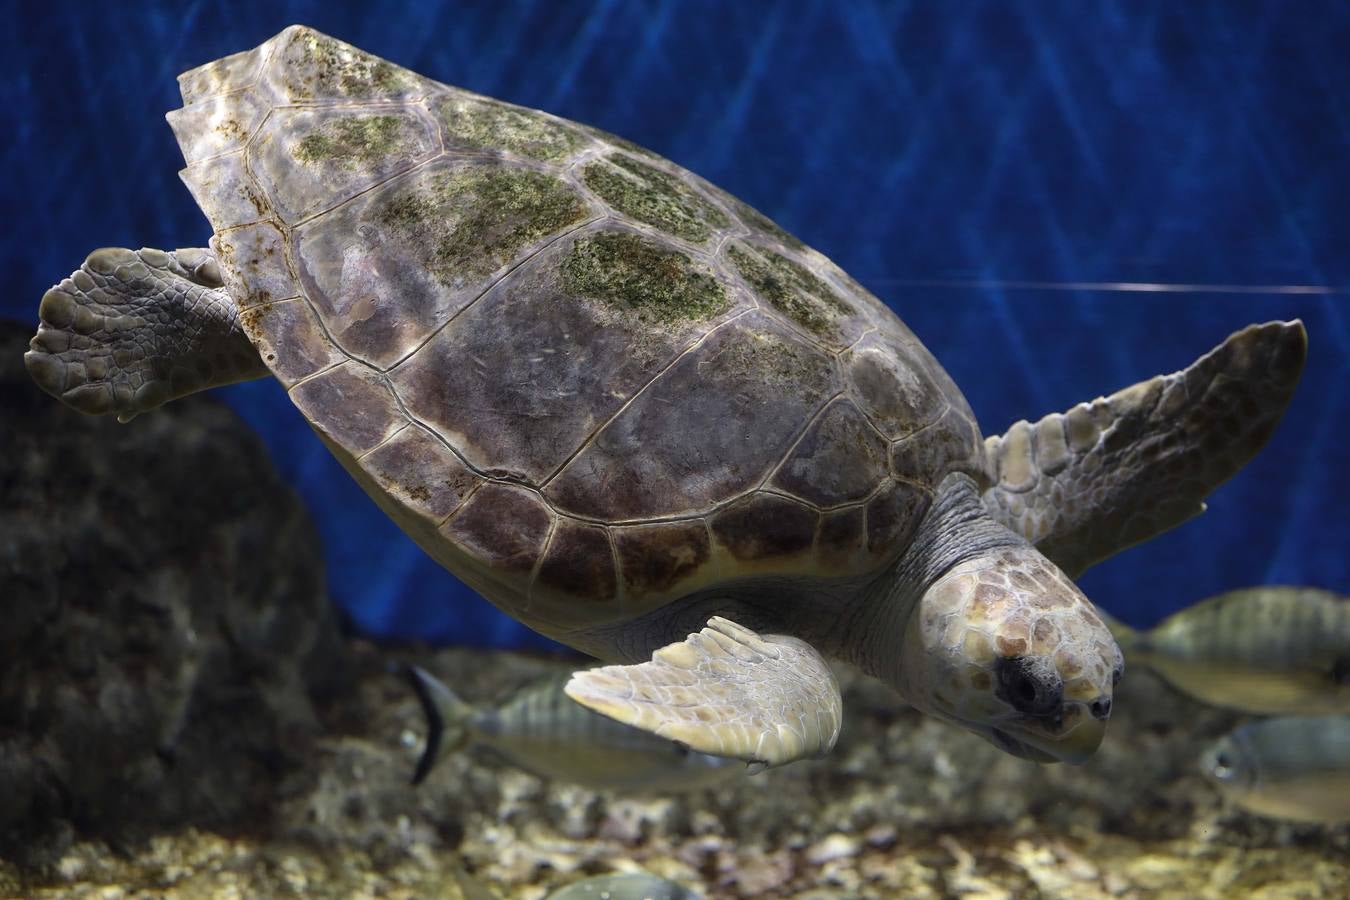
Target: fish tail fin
447, 719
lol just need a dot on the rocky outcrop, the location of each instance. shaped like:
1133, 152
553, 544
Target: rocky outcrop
165, 626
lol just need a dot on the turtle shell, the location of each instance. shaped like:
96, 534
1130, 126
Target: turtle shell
582, 378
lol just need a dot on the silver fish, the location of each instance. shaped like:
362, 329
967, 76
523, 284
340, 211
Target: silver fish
1267, 650
1292, 767
625, 886
543, 731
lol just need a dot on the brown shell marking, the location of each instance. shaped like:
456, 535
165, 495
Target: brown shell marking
766, 525
579, 563
352, 405
226, 191
840, 459
421, 472
660, 447
504, 526
253, 264
656, 558
894, 386
290, 339
951, 444
893, 515
841, 539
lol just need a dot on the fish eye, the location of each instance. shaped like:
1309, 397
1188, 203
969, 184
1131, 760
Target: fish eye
1223, 768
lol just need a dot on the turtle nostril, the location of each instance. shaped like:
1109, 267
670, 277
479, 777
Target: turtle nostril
1027, 691
1100, 708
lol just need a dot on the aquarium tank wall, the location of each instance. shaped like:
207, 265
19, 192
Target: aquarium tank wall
1059, 200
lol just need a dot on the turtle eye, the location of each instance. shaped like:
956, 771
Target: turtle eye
1028, 692
1116, 675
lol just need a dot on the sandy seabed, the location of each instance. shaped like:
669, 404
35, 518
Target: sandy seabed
904, 807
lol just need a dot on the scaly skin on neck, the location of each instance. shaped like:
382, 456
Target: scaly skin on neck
956, 528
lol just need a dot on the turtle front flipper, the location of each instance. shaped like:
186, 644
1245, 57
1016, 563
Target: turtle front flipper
727, 691
129, 331
1086, 484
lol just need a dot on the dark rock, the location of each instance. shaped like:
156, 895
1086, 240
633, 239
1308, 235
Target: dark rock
165, 624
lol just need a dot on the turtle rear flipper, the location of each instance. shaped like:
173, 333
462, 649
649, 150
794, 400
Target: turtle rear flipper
725, 691
1106, 475
129, 331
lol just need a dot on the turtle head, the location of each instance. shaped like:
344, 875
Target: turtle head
1005, 645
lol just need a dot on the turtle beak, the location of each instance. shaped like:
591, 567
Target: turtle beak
1078, 745
1071, 737
1021, 749
1074, 747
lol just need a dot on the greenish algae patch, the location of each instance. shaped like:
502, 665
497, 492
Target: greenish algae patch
779, 360
631, 272
492, 125
654, 197
353, 140
790, 288
338, 68
469, 223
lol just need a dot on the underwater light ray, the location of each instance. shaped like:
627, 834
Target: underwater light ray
732, 123
1051, 68
583, 45
1132, 287
1012, 329
1308, 488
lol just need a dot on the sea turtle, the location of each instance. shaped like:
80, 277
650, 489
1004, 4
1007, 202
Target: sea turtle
641, 418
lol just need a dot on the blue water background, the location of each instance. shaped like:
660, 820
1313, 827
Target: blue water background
1139, 141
